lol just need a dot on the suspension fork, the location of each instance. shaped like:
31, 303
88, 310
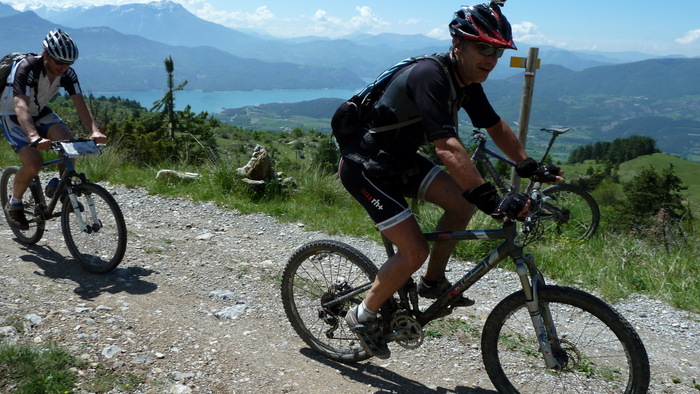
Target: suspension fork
540, 315
73, 200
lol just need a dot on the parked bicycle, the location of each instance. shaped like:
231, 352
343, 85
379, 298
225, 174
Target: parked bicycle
540, 339
566, 210
91, 220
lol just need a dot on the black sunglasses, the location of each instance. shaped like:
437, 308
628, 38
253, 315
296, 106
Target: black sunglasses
61, 63
489, 50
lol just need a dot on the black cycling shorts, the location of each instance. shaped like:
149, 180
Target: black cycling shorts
385, 198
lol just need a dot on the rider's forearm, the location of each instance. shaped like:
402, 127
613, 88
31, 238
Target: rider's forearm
24, 118
85, 115
458, 163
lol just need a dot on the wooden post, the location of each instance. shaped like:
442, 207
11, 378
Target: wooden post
531, 63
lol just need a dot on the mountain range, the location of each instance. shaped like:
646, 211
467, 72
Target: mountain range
604, 94
165, 27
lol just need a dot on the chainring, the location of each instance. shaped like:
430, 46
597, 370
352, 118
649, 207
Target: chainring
413, 337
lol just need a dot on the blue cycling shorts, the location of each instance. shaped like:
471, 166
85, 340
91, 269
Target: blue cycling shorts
17, 138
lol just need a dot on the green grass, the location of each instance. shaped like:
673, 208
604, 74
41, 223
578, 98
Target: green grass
686, 170
30, 369
450, 326
611, 265
36, 370
616, 266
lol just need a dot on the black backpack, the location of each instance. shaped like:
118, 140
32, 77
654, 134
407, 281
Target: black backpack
350, 114
8, 61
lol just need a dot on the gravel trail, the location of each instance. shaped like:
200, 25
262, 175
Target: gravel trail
195, 308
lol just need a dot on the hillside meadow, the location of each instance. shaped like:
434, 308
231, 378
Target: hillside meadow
613, 265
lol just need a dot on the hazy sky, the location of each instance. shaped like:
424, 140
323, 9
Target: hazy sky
660, 28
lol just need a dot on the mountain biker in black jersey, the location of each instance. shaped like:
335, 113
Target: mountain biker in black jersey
28, 124
381, 166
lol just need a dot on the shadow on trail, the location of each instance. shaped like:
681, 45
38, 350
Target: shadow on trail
89, 285
386, 381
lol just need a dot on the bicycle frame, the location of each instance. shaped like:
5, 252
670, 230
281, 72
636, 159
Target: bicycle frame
510, 247
481, 154
65, 182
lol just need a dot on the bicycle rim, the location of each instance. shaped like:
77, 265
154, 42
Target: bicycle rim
100, 247
599, 350
570, 213
317, 273
32, 199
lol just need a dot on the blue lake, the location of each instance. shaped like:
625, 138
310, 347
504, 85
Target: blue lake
213, 102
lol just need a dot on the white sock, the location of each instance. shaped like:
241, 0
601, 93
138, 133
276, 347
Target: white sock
14, 201
364, 314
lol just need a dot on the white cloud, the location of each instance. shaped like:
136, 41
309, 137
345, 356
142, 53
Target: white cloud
262, 16
439, 33
689, 37
411, 21
529, 33
367, 21
323, 24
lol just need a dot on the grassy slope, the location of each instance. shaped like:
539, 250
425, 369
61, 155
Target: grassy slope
686, 170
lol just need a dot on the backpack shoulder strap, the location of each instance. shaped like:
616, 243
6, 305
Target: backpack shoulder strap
9, 61
440, 59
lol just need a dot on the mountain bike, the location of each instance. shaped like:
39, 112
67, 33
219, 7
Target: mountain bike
91, 221
540, 339
566, 210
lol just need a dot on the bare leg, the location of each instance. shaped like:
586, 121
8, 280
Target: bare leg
59, 132
447, 194
31, 165
32, 161
412, 252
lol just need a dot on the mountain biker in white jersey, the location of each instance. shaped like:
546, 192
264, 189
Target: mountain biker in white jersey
28, 124
381, 167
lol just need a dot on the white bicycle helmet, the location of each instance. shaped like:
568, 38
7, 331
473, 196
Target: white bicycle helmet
60, 46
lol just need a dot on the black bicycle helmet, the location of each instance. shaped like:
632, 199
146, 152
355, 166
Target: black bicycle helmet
60, 46
483, 22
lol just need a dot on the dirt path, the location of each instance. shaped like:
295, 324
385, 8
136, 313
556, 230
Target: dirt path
159, 314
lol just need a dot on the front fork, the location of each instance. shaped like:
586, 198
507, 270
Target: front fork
87, 228
539, 313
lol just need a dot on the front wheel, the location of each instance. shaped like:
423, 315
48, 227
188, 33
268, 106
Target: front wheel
569, 212
322, 280
598, 350
32, 200
95, 232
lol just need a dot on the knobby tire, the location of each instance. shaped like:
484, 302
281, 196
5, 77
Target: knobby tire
600, 350
102, 249
32, 198
319, 272
580, 208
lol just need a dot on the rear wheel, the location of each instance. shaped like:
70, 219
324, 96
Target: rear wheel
95, 233
316, 275
570, 212
32, 200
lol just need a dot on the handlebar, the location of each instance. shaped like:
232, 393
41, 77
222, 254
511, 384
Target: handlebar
56, 144
77, 147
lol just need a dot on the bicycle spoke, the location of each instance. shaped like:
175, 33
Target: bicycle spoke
96, 233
